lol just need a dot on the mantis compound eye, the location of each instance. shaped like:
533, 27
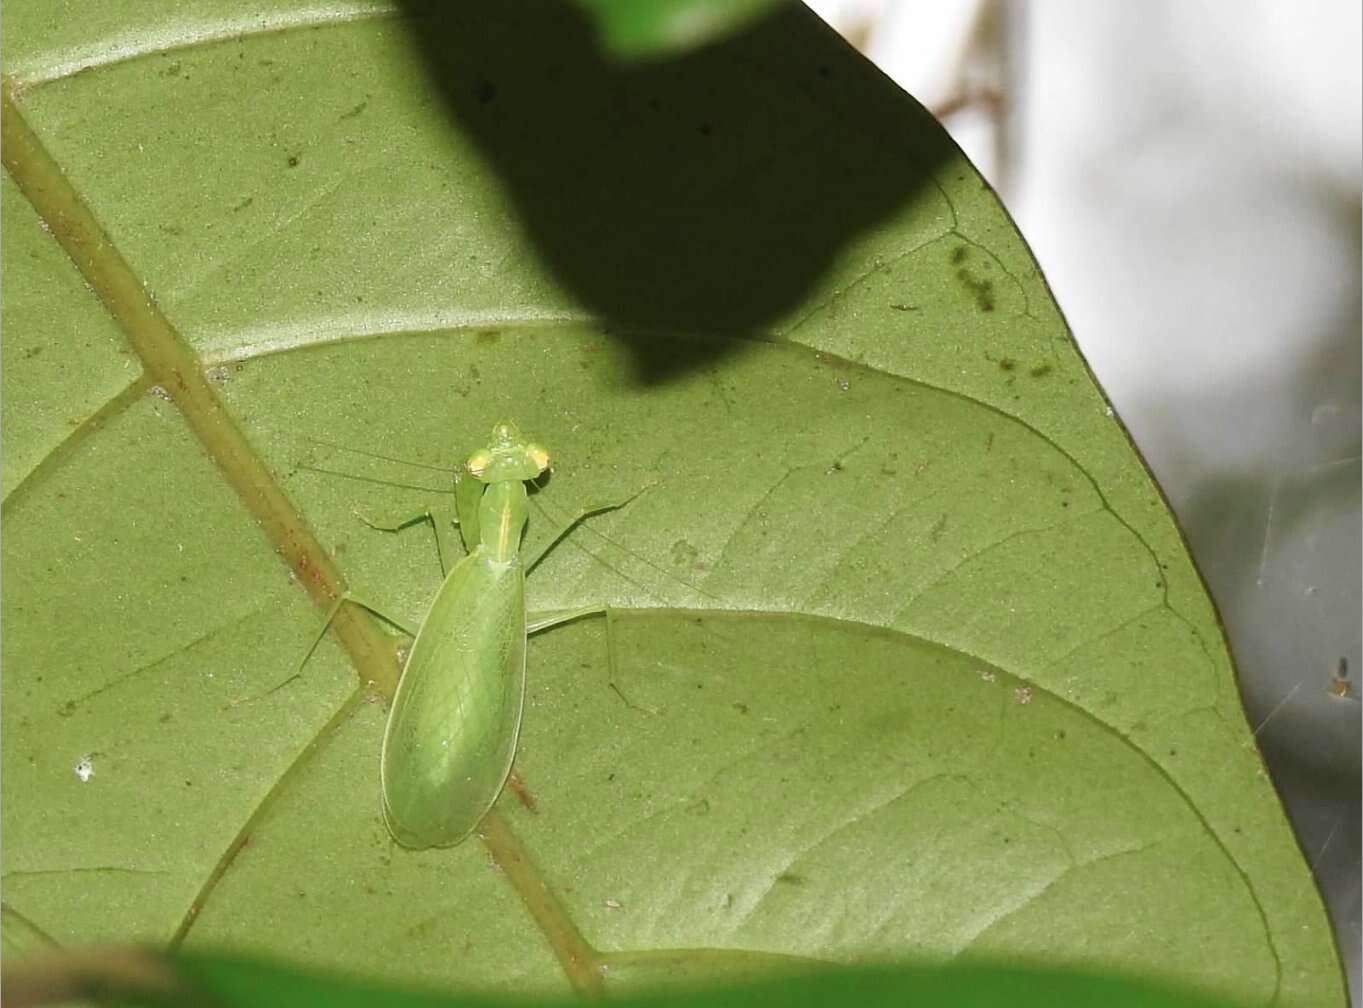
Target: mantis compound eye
478, 463
537, 456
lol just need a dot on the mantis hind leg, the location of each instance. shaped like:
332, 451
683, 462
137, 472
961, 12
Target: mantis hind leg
341, 600
441, 520
536, 622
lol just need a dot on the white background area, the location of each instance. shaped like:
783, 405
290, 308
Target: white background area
1187, 173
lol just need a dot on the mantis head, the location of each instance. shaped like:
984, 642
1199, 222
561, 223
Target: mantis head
508, 457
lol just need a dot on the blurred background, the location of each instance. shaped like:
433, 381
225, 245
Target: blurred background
1188, 177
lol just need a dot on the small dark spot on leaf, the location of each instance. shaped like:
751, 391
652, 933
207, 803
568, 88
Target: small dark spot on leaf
791, 878
244, 204
1007, 364
683, 553
67, 709
958, 254
706, 129
742, 708
32, 352
485, 91
164, 718
825, 70
488, 337
904, 307
983, 290
293, 161
1040, 371
356, 110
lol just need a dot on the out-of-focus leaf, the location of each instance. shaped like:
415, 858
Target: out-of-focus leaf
652, 27
199, 980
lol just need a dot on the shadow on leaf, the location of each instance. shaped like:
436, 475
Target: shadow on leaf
702, 194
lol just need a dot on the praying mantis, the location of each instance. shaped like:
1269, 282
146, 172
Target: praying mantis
456, 716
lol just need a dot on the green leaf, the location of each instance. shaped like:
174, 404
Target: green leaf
132, 977
908, 662
634, 28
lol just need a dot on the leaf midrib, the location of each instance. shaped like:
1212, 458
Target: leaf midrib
169, 362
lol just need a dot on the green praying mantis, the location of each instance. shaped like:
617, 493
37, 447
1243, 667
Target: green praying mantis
456, 716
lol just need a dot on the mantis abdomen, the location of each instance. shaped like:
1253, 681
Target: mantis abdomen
452, 732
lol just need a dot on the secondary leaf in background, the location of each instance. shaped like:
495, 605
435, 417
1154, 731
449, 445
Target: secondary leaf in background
634, 28
913, 662
134, 977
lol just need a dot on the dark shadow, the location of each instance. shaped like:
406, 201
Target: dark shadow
701, 194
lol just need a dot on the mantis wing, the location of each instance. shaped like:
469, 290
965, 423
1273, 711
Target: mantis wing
452, 731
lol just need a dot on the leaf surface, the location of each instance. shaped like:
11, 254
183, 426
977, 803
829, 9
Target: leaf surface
907, 658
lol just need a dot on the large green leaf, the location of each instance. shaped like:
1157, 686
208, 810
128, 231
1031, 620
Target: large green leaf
908, 660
